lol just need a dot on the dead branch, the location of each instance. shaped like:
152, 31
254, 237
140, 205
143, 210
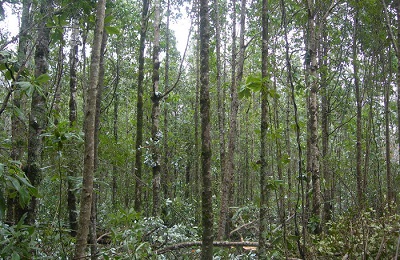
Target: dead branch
198, 243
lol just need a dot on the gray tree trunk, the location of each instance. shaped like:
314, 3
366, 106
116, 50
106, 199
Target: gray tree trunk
89, 130
207, 211
38, 117
139, 115
264, 193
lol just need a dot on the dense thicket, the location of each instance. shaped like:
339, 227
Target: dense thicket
274, 133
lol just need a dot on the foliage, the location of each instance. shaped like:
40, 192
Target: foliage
17, 241
359, 235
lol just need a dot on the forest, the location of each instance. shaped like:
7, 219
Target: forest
204, 129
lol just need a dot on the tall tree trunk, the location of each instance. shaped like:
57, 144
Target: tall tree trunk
220, 92
228, 176
165, 175
18, 135
73, 114
89, 130
325, 103
100, 86
155, 113
386, 100
139, 115
398, 89
115, 133
360, 192
264, 175
312, 86
38, 117
207, 211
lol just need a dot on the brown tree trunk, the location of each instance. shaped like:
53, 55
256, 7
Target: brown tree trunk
386, 100
325, 103
220, 92
155, 113
89, 130
93, 214
264, 175
114, 195
228, 176
207, 211
139, 115
165, 182
360, 192
312, 86
73, 82
38, 117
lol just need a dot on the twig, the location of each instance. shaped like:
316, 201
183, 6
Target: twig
240, 227
378, 255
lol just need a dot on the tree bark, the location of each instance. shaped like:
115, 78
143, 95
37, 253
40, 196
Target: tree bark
312, 86
100, 86
38, 117
207, 211
264, 175
73, 113
228, 176
139, 115
155, 113
89, 130
220, 92
360, 192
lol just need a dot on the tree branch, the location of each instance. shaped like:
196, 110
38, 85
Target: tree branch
391, 35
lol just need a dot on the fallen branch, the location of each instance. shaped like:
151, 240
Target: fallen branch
198, 243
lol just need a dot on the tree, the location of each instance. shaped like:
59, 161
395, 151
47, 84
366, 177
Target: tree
73, 114
89, 129
264, 176
207, 211
38, 116
139, 115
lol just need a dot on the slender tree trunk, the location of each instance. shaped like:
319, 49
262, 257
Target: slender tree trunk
325, 167
115, 133
207, 211
398, 89
165, 175
220, 93
389, 178
139, 115
73, 114
55, 106
38, 117
312, 85
155, 113
18, 135
96, 196
89, 130
264, 175
360, 192
228, 176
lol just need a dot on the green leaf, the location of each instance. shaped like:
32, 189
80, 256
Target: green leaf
108, 19
244, 93
14, 182
44, 78
112, 30
274, 184
15, 256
